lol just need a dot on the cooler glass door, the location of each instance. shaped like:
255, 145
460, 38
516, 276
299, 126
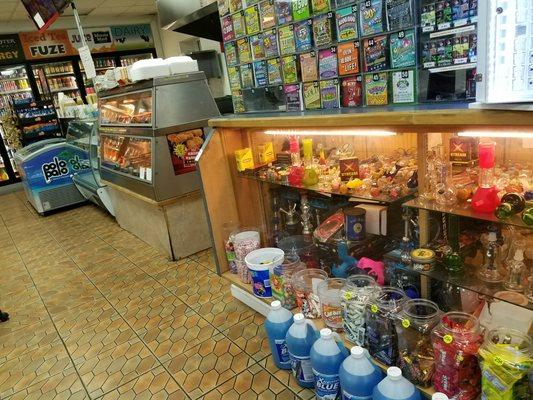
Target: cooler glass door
14, 84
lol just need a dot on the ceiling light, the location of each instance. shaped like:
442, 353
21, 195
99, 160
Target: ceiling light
330, 132
496, 134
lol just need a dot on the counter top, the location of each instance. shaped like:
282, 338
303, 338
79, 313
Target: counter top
414, 116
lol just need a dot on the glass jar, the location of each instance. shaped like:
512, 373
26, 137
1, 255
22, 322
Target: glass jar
414, 325
305, 284
330, 302
380, 317
280, 280
506, 359
456, 341
245, 241
302, 246
358, 291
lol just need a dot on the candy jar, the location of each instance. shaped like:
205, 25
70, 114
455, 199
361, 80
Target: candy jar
330, 301
380, 316
244, 242
506, 359
228, 229
414, 324
491, 260
355, 295
296, 175
305, 284
281, 280
456, 341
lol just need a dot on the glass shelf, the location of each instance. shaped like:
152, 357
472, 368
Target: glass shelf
356, 196
465, 210
466, 280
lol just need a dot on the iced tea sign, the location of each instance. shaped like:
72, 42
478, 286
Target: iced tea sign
50, 44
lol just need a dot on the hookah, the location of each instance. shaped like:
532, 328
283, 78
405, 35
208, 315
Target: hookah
407, 243
291, 218
486, 198
306, 215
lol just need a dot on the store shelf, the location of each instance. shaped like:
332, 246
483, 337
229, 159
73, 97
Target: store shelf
35, 120
466, 280
319, 323
60, 74
65, 89
353, 196
455, 67
464, 209
453, 31
14, 79
16, 91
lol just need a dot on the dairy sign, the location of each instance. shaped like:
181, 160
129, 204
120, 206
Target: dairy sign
50, 44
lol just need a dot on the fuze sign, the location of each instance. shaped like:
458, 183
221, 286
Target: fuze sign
49, 44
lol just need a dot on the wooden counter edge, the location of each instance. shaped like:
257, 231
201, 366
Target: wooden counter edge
445, 117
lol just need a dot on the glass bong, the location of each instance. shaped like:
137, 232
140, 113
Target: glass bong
491, 260
486, 196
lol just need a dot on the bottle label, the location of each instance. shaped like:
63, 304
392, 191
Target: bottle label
301, 369
327, 387
283, 352
348, 396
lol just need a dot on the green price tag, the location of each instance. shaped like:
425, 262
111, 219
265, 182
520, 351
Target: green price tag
447, 339
374, 308
406, 323
498, 361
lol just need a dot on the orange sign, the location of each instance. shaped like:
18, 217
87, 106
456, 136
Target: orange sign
49, 44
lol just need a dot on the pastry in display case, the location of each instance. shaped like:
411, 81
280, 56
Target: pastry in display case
151, 133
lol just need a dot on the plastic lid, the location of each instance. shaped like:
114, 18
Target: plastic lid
394, 373
299, 318
439, 396
275, 305
493, 237
326, 333
357, 352
519, 255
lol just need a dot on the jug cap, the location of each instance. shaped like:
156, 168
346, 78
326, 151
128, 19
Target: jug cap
275, 305
439, 396
299, 318
357, 352
394, 373
326, 333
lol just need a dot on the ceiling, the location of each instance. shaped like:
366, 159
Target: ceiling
13, 10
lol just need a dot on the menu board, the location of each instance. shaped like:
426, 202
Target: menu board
330, 53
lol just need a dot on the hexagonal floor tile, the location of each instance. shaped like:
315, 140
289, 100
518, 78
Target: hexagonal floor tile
225, 311
254, 383
207, 365
63, 386
250, 336
155, 385
107, 371
136, 294
185, 273
287, 378
15, 344
205, 289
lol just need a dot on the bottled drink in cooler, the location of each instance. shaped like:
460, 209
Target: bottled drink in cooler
277, 324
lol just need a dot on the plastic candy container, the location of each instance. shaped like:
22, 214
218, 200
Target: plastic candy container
414, 325
329, 296
244, 242
277, 324
358, 291
395, 387
380, 317
300, 338
280, 279
506, 361
305, 285
456, 341
260, 262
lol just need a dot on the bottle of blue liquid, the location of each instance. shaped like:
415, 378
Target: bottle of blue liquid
300, 338
395, 387
358, 376
277, 324
326, 358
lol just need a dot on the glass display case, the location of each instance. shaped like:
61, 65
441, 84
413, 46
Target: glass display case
152, 131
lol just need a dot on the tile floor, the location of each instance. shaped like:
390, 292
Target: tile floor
98, 314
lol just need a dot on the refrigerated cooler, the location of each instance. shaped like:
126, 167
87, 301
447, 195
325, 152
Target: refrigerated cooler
505, 65
55, 77
84, 135
14, 84
128, 60
46, 169
8, 169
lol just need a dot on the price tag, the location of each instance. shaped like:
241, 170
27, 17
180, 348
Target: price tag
498, 361
447, 339
374, 308
87, 61
348, 295
406, 323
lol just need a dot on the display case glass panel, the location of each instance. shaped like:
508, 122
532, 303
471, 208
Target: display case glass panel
184, 147
131, 109
14, 84
128, 155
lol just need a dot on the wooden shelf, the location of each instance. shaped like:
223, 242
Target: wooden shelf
234, 279
408, 119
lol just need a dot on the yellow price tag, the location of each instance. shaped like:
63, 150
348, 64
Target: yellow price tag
447, 339
406, 323
347, 295
374, 308
498, 361
459, 358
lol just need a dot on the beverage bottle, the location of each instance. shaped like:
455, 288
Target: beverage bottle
277, 324
395, 387
300, 339
326, 358
511, 204
358, 376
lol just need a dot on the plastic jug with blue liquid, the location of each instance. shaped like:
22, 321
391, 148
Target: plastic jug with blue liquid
300, 338
277, 324
395, 387
327, 356
358, 376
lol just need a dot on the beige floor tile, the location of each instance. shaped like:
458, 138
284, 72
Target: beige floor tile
155, 385
17, 343
287, 378
225, 311
250, 336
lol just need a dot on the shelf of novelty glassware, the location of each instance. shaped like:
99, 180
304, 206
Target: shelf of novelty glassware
273, 194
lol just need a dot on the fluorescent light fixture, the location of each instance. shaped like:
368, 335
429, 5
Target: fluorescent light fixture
496, 134
329, 132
